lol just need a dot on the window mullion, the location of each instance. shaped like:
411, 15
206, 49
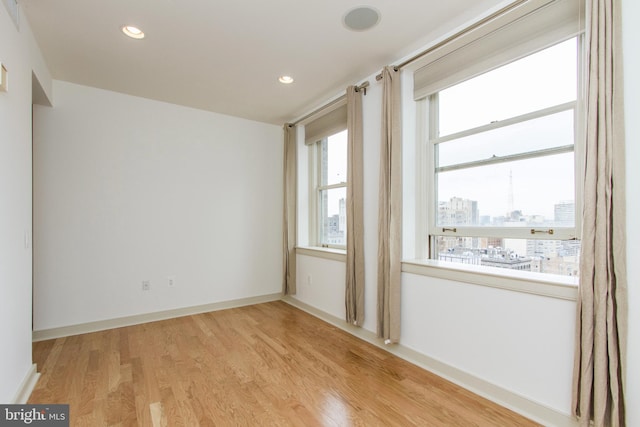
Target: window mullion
332, 186
422, 181
580, 132
509, 158
314, 201
434, 131
558, 233
506, 122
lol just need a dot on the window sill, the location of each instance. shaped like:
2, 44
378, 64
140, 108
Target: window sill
549, 285
326, 253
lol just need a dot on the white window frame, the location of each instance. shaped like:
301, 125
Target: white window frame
425, 260
315, 191
430, 127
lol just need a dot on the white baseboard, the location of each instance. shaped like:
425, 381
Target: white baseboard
27, 386
522, 405
84, 328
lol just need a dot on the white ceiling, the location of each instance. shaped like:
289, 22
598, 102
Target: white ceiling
226, 55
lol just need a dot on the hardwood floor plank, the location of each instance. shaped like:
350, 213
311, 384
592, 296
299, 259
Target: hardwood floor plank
158, 417
264, 365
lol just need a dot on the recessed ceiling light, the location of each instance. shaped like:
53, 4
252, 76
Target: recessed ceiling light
133, 32
361, 18
285, 79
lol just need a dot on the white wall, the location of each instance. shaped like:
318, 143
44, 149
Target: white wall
318, 284
128, 189
520, 342
19, 53
631, 38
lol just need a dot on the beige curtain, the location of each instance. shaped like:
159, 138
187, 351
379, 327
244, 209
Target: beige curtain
354, 285
289, 212
390, 210
599, 370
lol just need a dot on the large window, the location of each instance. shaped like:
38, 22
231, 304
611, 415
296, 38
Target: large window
326, 139
502, 165
330, 190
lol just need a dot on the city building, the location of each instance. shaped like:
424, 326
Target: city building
506, 259
458, 211
564, 214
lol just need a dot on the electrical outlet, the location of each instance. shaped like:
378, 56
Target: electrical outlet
146, 285
171, 281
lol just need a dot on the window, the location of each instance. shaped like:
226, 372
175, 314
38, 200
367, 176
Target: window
326, 138
331, 190
502, 166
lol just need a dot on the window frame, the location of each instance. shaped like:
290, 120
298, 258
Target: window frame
316, 188
427, 131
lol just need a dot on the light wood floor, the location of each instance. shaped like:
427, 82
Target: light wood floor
264, 365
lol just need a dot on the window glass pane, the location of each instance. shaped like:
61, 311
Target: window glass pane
535, 192
545, 132
532, 83
542, 256
334, 159
333, 216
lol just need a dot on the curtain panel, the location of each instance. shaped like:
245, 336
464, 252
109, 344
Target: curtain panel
289, 211
601, 327
390, 210
354, 285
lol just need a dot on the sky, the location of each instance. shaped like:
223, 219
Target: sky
337, 169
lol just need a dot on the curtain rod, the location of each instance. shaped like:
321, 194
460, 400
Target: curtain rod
460, 33
362, 87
